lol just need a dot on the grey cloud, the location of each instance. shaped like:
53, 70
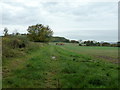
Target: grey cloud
85, 10
92, 11
24, 17
48, 4
65, 15
105, 35
81, 13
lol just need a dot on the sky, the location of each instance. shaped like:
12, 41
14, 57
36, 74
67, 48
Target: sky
73, 19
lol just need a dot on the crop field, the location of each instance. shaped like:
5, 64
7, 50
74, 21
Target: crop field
105, 53
63, 66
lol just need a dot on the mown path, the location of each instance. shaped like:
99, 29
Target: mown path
52, 70
49, 69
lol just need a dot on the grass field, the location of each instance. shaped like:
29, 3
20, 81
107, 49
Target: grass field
105, 53
68, 66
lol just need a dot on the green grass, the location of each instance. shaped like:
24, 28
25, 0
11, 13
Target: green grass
72, 67
105, 53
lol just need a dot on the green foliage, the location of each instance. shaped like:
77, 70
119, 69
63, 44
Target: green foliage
39, 33
16, 46
11, 44
118, 44
91, 43
74, 41
105, 44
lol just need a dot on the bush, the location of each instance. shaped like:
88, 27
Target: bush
15, 46
11, 45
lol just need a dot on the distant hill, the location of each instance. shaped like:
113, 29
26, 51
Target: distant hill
59, 39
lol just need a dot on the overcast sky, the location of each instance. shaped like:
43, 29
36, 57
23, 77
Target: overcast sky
72, 19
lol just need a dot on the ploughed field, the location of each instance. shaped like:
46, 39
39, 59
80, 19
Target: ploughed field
63, 66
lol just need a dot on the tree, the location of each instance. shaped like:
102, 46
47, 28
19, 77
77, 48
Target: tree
118, 43
39, 33
105, 44
91, 43
74, 41
5, 31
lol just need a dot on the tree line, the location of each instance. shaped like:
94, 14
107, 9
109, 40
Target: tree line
36, 33
42, 33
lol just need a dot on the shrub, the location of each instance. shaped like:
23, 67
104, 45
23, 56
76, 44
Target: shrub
11, 45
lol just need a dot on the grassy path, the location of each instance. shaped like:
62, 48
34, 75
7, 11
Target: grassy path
38, 63
56, 67
53, 69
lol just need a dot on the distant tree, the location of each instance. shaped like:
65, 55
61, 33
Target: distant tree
114, 45
118, 43
39, 33
88, 43
5, 31
105, 44
60, 39
15, 33
91, 43
97, 44
74, 41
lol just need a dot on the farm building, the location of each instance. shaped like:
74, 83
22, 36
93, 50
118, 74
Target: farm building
60, 44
